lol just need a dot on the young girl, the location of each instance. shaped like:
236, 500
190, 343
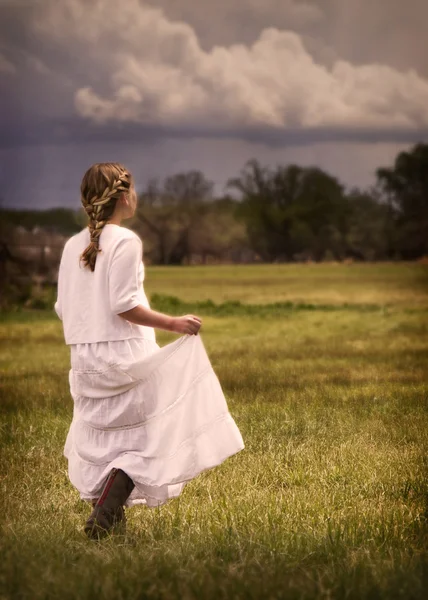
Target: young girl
146, 419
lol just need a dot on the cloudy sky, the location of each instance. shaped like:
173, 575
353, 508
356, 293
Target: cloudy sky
171, 85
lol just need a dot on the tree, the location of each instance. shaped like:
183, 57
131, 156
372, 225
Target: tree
368, 236
170, 215
263, 214
56, 220
220, 235
292, 211
405, 192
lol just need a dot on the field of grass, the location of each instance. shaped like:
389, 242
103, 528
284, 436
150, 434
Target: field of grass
401, 284
325, 372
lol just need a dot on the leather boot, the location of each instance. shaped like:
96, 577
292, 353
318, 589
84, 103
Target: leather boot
122, 522
108, 510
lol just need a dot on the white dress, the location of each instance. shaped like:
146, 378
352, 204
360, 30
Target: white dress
159, 414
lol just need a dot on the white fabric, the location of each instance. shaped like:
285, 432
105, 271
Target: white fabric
157, 413
88, 303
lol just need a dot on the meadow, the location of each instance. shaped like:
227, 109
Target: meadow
325, 371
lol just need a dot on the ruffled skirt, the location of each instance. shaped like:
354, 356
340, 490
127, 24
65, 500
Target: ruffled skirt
159, 414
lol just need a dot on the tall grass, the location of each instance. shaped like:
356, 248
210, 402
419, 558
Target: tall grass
329, 499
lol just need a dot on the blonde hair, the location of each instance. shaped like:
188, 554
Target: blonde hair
101, 187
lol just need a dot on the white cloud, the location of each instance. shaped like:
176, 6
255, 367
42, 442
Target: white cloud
160, 75
6, 66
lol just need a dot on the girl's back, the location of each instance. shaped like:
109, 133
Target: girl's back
89, 302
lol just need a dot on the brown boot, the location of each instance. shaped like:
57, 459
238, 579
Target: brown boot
108, 510
122, 522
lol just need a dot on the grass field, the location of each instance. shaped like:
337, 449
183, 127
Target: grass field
325, 372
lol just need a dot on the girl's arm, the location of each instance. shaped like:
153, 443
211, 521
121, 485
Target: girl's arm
141, 315
124, 286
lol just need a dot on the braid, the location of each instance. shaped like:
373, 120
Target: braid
99, 201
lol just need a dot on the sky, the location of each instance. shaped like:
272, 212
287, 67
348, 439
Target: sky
167, 86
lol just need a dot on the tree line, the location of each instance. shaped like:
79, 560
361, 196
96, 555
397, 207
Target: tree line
289, 213
282, 214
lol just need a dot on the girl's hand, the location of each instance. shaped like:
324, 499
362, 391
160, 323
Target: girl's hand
188, 324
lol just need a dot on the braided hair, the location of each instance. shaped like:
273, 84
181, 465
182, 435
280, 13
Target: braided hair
101, 187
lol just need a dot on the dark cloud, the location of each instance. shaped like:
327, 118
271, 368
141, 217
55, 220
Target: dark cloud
49, 175
110, 72
63, 132
41, 129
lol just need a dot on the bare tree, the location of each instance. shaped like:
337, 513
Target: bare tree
171, 215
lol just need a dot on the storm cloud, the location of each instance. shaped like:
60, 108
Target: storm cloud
304, 81
160, 75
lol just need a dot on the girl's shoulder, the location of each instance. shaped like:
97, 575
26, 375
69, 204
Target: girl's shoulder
122, 241
77, 239
129, 234
119, 232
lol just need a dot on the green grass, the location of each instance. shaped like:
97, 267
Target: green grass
401, 284
329, 499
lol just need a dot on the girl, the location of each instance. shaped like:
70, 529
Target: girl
146, 419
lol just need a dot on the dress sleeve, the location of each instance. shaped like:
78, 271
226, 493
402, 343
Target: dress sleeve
124, 284
57, 307
58, 303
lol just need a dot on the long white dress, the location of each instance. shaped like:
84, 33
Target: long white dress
159, 414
